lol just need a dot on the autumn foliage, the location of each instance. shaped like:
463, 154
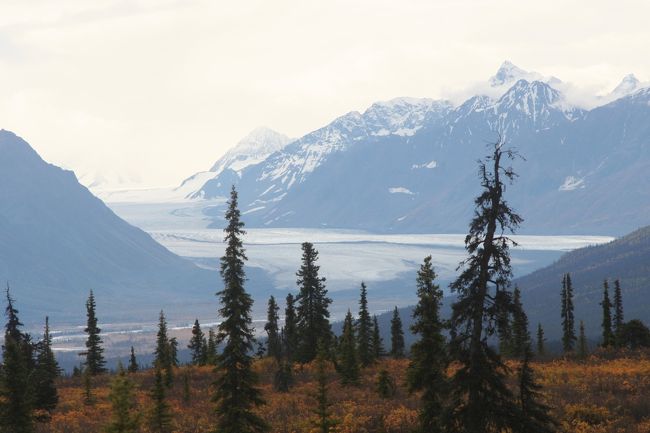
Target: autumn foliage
598, 395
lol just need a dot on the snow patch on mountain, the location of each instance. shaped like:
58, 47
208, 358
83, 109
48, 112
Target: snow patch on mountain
400, 190
431, 164
572, 183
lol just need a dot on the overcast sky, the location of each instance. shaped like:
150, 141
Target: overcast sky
157, 90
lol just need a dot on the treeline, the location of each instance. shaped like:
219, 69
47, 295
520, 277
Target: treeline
459, 375
616, 333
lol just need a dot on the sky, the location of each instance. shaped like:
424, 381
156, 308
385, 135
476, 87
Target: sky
148, 92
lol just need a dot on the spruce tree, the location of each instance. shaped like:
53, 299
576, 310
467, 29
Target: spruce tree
324, 422
397, 346
385, 384
427, 369
133, 362
162, 354
290, 335
274, 342
160, 418
348, 356
125, 417
583, 349
173, 351
568, 321
608, 334
504, 330
196, 344
236, 392
541, 341
364, 329
15, 400
520, 334
283, 378
45, 373
619, 320
535, 416
211, 348
481, 401
312, 314
377, 341
94, 363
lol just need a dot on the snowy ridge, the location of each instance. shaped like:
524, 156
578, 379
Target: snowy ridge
252, 149
400, 116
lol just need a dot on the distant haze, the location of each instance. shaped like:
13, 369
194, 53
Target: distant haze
149, 92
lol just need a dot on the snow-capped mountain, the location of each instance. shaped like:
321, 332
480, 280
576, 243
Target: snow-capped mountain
252, 149
401, 117
410, 164
508, 74
629, 84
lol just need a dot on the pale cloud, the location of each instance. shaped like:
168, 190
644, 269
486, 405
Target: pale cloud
153, 91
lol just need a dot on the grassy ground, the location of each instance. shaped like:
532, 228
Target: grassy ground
600, 395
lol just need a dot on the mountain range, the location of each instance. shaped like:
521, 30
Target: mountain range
409, 164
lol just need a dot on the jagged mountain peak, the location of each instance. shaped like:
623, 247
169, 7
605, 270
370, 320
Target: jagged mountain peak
629, 84
257, 145
509, 73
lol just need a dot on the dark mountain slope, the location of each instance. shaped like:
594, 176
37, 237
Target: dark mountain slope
57, 241
627, 258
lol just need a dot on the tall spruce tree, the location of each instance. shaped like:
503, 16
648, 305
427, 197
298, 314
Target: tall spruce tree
133, 362
504, 327
163, 354
15, 400
125, 417
94, 363
397, 346
427, 369
173, 351
45, 373
541, 341
210, 348
481, 401
377, 341
236, 392
290, 335
348, 364
568, 320
364, 329
196, 344
520, 334
606, 304
274, 341
312, 314
535, 415
160, 418
619, 320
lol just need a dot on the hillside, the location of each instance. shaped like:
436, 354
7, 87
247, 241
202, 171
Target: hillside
627, 258
57, 241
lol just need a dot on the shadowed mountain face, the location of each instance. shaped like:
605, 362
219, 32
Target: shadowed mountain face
57, 241
626, 259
